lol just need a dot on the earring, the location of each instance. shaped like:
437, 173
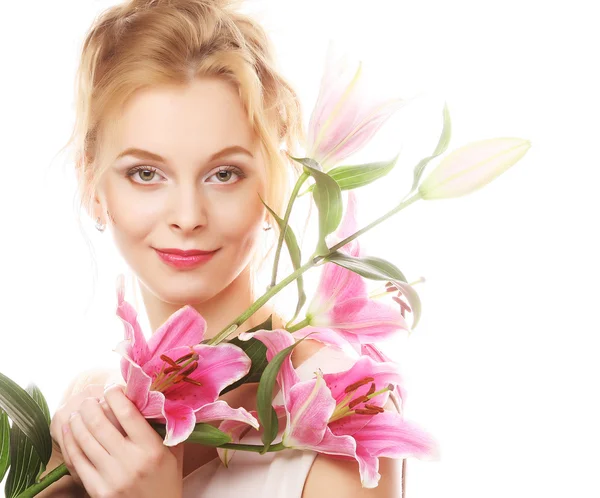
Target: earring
99, 225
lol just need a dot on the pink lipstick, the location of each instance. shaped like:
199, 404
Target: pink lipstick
184, 260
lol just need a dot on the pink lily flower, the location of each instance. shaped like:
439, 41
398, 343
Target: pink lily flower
346, 114
174, 379
341, 310
342, 414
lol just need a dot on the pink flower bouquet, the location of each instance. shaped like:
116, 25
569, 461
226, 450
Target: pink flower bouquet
176, 377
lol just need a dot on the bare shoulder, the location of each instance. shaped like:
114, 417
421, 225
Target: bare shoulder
341, 479
304, 350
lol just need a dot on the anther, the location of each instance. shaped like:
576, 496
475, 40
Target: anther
356, 385
358, 401
378, 409
188, 370
172, 369
168, 360
366, 412
371, 389
186, 357
403, 305
191, 381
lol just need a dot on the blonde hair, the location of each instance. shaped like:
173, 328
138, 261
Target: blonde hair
144, 43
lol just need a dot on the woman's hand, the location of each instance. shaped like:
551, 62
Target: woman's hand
111, 464
61, 417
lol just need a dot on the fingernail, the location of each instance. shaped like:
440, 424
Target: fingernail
65, 428
73, 414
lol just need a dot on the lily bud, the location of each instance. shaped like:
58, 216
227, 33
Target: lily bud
472, 166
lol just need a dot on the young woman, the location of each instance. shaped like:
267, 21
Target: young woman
182, 121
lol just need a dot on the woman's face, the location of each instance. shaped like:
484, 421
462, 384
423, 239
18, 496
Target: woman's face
196, 188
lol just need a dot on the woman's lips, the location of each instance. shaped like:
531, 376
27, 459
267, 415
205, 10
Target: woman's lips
182, 262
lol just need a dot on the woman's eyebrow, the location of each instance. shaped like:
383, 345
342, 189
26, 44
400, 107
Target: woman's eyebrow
146, 154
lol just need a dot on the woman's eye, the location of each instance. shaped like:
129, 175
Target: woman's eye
144, 173
224, 174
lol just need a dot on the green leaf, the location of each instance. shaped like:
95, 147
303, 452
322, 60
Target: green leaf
266, 413
379, 269
4, 443
439, 149
257, 352
368, 266
27, 416
203, 433
295, 255
351, 177
328, 198
26, 465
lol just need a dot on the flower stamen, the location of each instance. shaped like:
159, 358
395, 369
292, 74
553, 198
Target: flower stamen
356, 385
168, 360
358, 401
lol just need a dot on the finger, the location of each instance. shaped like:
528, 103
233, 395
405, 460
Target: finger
133, 422
101, 429
88, 445
83, 467
110, 415
65, 454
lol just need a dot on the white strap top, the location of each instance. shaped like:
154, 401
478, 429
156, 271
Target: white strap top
278, 474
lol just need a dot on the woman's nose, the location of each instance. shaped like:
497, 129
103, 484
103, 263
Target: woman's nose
188, 211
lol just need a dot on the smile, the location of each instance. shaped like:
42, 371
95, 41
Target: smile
182, 261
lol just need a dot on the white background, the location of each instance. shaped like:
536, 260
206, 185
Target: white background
503, 367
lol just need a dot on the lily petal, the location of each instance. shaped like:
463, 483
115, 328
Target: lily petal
137, 381
185, 326
310, 407
240, 430
331, 444
373, 352
135, 341
388, 435
275, 341
472, 166
368, 467
366, 121
218, 367
324, 335
335, 284
365, 320
383, 374
220, 410
180, 422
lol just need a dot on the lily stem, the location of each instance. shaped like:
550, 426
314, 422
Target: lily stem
253, 447
313, 261
299, 325
283, 230
52, 476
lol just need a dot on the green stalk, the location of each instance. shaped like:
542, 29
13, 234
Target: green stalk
299, 325
301, 179
253, 447
48, 479
313, 261
233, 326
